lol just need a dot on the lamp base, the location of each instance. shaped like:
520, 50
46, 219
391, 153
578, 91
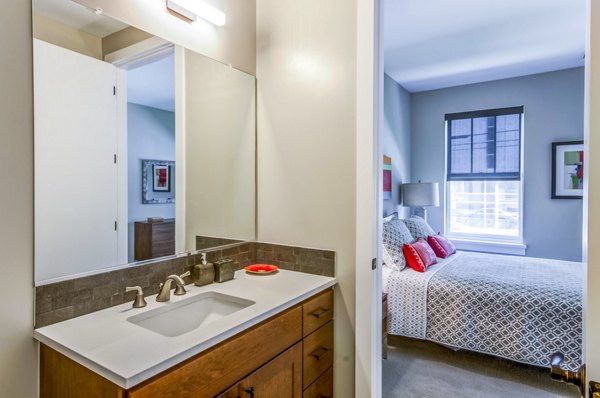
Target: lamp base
420, 212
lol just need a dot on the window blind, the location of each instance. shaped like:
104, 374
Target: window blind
484, 145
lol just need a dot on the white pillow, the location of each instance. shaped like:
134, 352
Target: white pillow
395, 235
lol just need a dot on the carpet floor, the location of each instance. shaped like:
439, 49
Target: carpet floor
422, 369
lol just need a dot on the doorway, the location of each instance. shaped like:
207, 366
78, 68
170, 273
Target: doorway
428, 54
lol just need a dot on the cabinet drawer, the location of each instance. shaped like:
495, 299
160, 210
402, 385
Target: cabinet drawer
322, 387
317, 353
211, 372
164, 232
279, 378
317, 312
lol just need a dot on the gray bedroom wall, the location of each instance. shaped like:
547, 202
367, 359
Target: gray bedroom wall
396, 140
150, 135
553, 112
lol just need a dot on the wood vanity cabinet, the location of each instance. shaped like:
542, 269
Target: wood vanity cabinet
290, 355
281, 378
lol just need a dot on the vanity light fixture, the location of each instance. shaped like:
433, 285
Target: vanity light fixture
192, 9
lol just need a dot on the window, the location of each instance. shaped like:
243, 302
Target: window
484, 184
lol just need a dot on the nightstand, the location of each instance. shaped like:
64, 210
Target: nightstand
384, 327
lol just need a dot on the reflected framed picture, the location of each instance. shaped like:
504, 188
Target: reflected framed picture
158, 181
161, 181
568, 167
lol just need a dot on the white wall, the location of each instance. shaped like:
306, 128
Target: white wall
18, 360
553, 112
67, 37
150, 135
220, 151
232, 44
306, 71
395, 141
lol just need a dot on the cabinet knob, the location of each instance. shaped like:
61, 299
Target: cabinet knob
319, 352
320, 312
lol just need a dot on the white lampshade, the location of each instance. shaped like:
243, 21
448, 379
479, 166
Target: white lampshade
421, 194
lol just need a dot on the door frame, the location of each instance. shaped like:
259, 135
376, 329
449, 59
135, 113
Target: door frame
369, 183
133, 56
591, 213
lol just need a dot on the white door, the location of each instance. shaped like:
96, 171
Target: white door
75, 171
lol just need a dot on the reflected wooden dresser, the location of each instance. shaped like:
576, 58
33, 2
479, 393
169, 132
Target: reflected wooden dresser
154, 239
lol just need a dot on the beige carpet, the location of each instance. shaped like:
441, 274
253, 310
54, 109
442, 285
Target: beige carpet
416, 368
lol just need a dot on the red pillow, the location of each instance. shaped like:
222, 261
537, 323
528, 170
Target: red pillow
441, 245
419, 255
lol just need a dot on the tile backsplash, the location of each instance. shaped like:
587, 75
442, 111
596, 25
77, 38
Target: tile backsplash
60, 301
204, 242
311, 261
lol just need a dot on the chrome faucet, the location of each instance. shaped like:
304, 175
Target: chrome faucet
165, 288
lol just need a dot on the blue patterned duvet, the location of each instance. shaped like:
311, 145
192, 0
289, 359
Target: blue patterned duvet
519, 308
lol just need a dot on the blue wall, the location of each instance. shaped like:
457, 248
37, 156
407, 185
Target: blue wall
395, 140
553, 112
150, 135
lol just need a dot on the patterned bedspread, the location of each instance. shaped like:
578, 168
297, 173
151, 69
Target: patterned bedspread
519, 308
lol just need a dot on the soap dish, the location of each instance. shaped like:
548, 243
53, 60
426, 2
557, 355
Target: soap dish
261, 269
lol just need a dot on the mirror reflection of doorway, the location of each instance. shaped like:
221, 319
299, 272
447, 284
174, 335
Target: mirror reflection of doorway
151, 159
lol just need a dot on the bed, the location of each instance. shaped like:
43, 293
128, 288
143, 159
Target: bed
520, 308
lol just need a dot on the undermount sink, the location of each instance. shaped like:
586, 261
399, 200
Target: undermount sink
175, 319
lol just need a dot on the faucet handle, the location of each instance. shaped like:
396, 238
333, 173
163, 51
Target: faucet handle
139, 301
180, 289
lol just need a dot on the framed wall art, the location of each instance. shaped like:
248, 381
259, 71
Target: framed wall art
158, 181
387, 177
161, 181
568, 167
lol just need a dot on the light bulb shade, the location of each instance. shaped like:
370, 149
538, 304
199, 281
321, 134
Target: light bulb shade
421, 194
191, 9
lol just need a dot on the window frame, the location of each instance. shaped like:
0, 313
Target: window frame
490, 242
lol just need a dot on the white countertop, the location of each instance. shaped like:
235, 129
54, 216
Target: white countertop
127, 354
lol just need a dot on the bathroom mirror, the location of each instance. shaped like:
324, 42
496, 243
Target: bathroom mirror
143, 149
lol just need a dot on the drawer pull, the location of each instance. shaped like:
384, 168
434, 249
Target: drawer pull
250, 392
319, 352
320, 312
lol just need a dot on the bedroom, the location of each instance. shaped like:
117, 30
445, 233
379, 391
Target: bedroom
474, 99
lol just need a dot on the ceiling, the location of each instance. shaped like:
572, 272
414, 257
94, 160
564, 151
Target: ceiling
435, 44
77, 16
153, 84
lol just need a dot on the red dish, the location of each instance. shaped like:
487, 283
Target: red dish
261, 268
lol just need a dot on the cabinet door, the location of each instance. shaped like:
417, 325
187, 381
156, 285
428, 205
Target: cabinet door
281, 378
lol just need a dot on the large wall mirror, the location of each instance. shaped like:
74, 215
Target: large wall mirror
143, 149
